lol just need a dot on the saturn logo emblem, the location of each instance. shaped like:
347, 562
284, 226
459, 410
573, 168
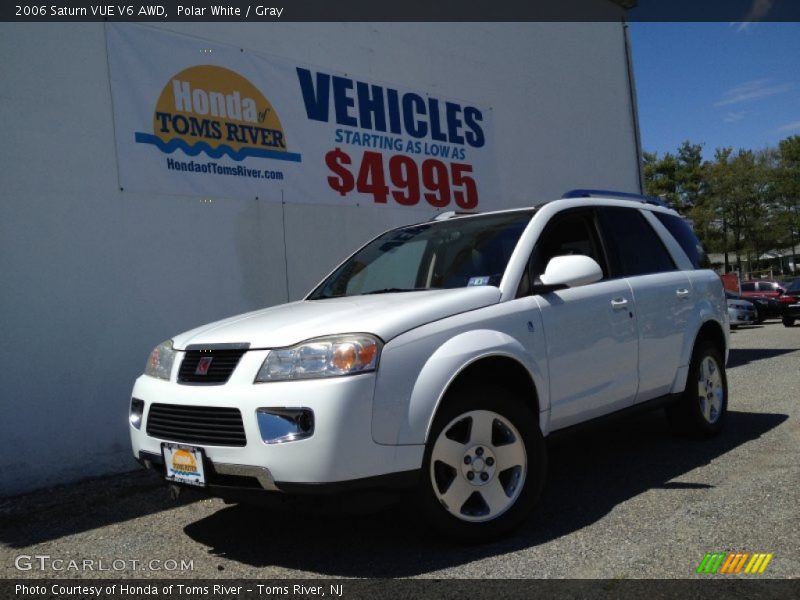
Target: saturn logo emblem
203, 365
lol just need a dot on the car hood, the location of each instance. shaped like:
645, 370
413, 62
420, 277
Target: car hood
385, 315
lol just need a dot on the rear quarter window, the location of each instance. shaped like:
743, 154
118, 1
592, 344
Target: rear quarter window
684, 235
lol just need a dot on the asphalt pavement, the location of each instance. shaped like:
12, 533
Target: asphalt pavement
624, 500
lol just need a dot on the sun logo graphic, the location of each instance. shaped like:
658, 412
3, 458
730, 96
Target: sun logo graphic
216, 111
183, 463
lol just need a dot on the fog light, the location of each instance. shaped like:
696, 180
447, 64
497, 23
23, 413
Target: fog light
137, 409
278, 425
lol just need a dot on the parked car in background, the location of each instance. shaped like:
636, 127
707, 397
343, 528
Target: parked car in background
766, 308
762, 288
740, 311
790, 310
771, 290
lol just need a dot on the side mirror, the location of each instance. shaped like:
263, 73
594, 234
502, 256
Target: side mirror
571, 271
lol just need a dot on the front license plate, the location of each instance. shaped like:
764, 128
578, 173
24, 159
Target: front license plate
184, 464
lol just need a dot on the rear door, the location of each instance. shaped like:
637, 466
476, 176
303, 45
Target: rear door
662, 295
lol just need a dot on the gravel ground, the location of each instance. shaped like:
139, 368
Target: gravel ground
622, 501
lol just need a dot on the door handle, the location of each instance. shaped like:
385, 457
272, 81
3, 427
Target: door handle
682, 293
619, 303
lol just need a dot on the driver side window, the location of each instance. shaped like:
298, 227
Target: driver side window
565, 234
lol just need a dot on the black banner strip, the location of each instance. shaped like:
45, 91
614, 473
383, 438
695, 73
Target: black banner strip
712, 586
406, 11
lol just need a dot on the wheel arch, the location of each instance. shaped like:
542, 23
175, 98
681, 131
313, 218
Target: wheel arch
498, 366
710, 330
421, 368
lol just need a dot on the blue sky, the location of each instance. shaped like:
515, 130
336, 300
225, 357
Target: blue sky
718, 84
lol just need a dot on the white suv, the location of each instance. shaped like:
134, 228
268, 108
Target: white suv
440, 355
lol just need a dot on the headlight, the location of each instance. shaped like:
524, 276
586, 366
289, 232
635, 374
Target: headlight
159, 364
323, 357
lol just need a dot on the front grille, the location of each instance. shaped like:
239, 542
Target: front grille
223, 362
196, 424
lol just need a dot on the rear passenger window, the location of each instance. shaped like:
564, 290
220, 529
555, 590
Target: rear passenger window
633, 247
684, 235
748, 287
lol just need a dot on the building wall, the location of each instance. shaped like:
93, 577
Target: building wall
95, 276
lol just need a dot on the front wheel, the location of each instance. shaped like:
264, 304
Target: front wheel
788, 321
701, 409
484, 464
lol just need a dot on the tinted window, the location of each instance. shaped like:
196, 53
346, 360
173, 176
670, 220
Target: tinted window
768, 287
684, 235
565, 234
632, 245
569, 232
748, 287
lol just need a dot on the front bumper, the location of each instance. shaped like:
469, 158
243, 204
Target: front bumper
741, 317
341, 449
247, 482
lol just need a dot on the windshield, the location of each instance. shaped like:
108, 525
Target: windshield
455, 253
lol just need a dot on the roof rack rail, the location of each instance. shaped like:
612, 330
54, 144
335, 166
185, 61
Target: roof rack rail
580, 193
449, 214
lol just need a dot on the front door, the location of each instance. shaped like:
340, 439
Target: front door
590, 330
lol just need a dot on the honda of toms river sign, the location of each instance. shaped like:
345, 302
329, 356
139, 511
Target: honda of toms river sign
193, 117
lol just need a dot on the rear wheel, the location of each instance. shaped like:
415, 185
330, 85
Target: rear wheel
788, 321
484, 465
701, 409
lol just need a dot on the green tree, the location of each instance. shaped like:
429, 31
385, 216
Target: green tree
719, 182
690, 174
743, 203
787, 191
677, 179
659, 177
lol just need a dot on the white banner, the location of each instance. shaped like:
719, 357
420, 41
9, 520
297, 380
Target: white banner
198, 118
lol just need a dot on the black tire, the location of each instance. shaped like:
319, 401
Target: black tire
788, 321
759, 316
465, 413
701, 410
